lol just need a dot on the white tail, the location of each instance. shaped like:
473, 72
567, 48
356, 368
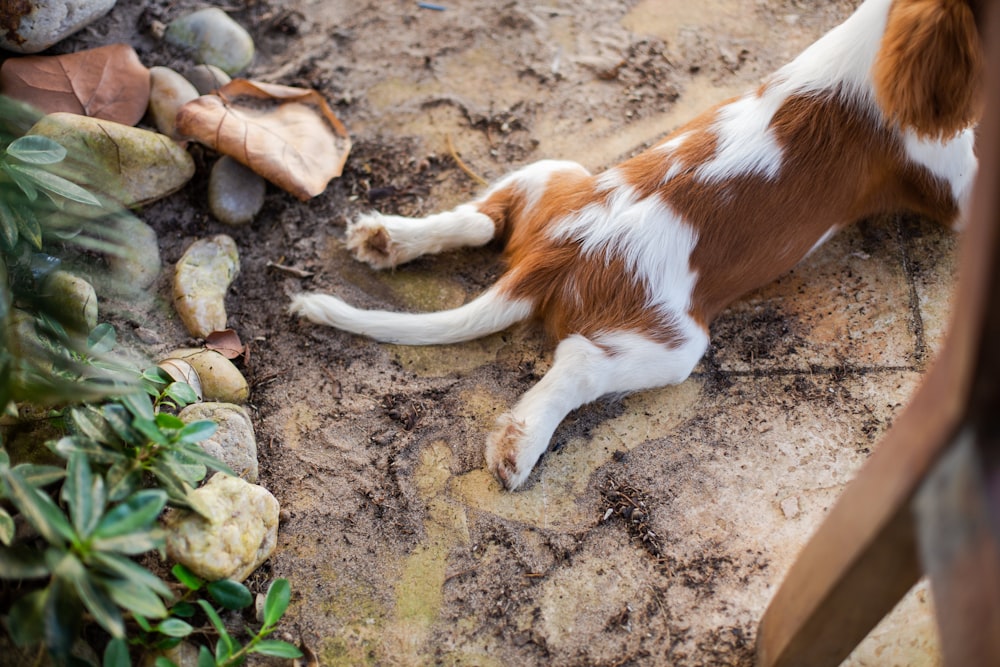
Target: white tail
486, 314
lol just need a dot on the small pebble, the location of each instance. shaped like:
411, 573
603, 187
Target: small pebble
201, 278
790, 507
220, 379
139, 267
34, 25
168, 92
235, 193
73, 298
206, 78
215, 38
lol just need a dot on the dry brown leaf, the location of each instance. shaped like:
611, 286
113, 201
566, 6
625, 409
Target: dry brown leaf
287, 135
226, 342
108, 82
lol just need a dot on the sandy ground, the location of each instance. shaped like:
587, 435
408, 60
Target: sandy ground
399, 546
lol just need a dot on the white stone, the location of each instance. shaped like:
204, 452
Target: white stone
233, 443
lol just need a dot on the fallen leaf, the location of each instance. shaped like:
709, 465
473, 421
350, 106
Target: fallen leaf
226, 342
108, 82
287, 135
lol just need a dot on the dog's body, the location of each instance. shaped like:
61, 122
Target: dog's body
628, 268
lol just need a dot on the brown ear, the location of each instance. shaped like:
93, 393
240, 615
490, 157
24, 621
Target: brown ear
928, 74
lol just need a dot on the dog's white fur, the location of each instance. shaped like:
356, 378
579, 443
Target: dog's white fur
626, 269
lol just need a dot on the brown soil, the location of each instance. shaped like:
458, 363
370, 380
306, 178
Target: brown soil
399, 547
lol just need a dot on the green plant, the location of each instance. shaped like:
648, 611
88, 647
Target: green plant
84, 552
133, 437
227, 595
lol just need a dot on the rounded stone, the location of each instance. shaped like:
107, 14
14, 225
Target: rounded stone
201, 278
215, 39
34, 25
206, 78
140, 266
220, 379
233, 442
238, 534
73, 299
235, 193
129, 164
168, 92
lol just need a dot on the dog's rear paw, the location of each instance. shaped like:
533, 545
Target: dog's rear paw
505, 451
369, 241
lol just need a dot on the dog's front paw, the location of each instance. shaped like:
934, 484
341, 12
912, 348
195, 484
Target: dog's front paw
507, 455
369, 241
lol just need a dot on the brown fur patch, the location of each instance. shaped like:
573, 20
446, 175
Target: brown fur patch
928, 75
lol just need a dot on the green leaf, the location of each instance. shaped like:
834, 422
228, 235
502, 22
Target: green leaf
162, 661
138, 404
135, 597
39, 475
165, 420
190, 580
27, 224
26, 622
26, 185
178, 490
205, 658
137, 512
279, 594
183, 465
174, 627
92, 594
66, 446
101, 339
116, 654
8, 226
56, 185
62, 616
183, 610
91, 424
198, 455
7, 529
149, 429
36, 149
217, 623
131, 544
276, 648
124, 568
123, 478
198, 430
37, 508
82, 495
230, 594
22, 562
181, 393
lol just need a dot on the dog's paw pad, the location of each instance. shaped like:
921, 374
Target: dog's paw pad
369, 242
503, 449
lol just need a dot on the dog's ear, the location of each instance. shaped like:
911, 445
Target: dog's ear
928, 74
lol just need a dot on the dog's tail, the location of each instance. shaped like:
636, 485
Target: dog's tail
492, 311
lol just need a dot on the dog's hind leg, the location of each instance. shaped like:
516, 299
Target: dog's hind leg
583, 370
386, 241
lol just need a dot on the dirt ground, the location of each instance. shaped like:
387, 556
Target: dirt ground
400, 548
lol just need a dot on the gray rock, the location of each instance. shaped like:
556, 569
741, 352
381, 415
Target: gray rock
168, 92
206, 78
73, 298
235, 193
45, 22
233, 443
239, 535
201, 278
140, 267
215, 39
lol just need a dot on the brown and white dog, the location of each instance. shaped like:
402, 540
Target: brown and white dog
626, 269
